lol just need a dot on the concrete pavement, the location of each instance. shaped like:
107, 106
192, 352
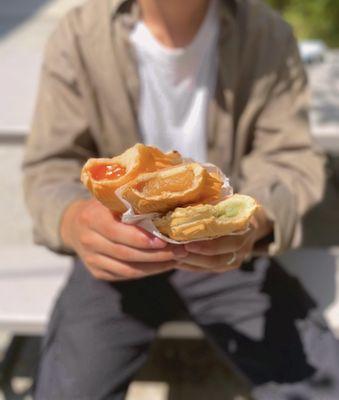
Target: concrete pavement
24, 28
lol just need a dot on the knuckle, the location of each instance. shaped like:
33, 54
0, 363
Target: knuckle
122, 252
168, 258
166, 265
104, 277
142, 241
134, 274
209, 249
170, 264
161, 256
96, 274
84, 217
89, 260
110, 231
85, 239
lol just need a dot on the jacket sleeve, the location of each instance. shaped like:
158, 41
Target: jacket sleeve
283, 171
59, 143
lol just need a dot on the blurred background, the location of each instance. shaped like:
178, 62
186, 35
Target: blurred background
30, 276
311, 19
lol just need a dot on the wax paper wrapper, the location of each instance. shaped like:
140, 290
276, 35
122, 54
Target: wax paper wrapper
145, 220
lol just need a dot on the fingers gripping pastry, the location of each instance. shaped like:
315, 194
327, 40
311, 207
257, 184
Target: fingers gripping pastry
164, 190
102, 176
208, 221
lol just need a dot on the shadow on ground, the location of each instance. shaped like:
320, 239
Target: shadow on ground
321, 224
314, 264
192, 371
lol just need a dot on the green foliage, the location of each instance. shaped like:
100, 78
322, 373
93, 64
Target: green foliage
312, 18
279, 4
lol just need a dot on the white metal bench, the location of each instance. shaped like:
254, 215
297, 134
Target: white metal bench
30, 279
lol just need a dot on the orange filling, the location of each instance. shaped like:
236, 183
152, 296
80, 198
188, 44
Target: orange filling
107, 171
174, 183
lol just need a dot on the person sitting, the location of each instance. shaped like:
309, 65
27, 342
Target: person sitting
219, 81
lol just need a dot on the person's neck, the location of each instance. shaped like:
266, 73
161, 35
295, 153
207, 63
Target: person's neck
173, 23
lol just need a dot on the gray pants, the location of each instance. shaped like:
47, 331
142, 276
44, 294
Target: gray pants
259, 317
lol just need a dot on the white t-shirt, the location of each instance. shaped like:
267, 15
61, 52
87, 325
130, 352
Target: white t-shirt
176, 85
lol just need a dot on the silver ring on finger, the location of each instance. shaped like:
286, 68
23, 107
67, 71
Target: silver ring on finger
232, 259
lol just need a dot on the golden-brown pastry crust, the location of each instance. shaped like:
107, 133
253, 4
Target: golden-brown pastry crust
208, 221
164, 190
136, 160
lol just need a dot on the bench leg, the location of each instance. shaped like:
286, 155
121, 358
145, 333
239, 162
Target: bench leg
7, 368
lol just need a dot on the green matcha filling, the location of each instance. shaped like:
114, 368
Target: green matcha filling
228, 210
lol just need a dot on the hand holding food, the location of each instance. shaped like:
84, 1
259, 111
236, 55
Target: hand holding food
112, 250
185, 202
186, 196
227, 252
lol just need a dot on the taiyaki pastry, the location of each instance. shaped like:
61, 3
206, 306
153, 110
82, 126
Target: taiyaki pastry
102, 176
208, 221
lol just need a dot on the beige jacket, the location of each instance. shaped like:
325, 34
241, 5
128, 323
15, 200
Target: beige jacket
258, 131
